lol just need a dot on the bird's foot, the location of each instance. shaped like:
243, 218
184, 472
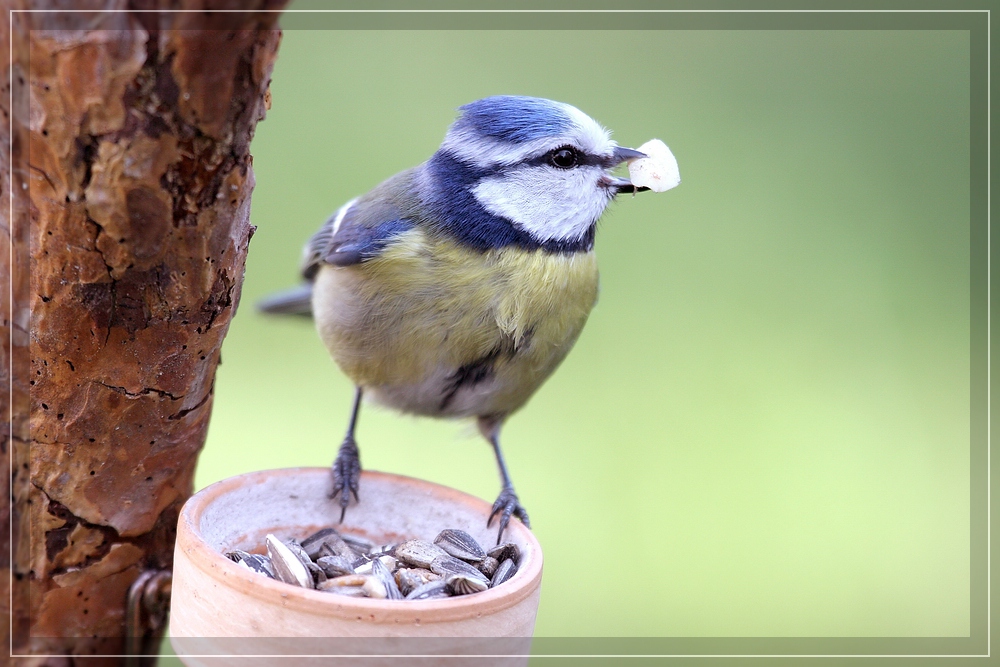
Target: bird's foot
507, 505
346, 471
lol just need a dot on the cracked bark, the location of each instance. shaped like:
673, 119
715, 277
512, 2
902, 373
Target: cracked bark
131, 183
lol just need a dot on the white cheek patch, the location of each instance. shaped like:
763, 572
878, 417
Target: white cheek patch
550, 204
658, 171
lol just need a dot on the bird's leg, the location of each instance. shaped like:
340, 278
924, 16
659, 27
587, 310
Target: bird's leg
347, 465
507, 503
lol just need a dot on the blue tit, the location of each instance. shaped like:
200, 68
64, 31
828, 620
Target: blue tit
455, 288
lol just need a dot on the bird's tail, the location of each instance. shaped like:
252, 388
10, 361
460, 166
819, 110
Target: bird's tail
294, 301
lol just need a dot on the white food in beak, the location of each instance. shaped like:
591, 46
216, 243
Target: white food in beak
658, 171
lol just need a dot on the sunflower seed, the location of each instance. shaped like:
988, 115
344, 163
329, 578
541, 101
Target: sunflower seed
504, 551
316, 572
410, 578
505, 571
430, 590
359, 544
381, 572
337, 549
448, 565
423, 573
460, 544
257, 563
327, 536
326, 549
287, 566
488, 566
374, 588
334, 566
364, 564
347, 591
345, 580
407, 580
418, 552
318, 537
299, 552
463, 584
455, 564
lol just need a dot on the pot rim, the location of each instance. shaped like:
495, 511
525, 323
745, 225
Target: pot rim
271, 591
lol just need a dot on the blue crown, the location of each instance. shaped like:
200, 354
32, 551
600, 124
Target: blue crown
515, 119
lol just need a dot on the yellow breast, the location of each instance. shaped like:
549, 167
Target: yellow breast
429, 317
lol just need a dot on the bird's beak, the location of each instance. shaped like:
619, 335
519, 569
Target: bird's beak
623, 185
621, 154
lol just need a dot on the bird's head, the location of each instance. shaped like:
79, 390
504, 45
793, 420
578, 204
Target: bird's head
541, 167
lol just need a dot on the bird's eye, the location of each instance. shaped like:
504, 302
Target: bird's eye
564, 158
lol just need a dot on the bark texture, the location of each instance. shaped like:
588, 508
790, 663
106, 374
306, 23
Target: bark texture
132, 180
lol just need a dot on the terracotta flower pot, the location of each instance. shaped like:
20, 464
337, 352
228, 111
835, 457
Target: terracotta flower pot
221, 609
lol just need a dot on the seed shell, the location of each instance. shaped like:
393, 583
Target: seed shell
359, 544
364, 564
422, 572
463, 584
407, 580
383, 550
455, 564
448, 565
335, 566
382, 572
488, 566
345, 580
374, 588
336, 549
287, 566
418, 552
505, 571
327, 536
410, 578
460, 544
257, 563
299, 552
504, 551
430, 590
347, 591
316, 572
318, 537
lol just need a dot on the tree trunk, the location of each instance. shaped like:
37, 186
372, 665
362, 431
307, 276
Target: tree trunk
131, 183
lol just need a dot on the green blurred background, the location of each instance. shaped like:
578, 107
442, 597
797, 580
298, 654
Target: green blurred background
764, 428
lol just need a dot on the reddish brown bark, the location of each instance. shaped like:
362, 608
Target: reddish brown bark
132, 180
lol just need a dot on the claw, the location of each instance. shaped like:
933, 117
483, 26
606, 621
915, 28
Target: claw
346, 471
507, 505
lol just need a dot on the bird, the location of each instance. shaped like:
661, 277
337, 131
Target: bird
455, 288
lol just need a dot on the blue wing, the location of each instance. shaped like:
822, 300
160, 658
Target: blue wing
354, 234
359, 244
358, 232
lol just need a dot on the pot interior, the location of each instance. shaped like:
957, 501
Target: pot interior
294, 503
